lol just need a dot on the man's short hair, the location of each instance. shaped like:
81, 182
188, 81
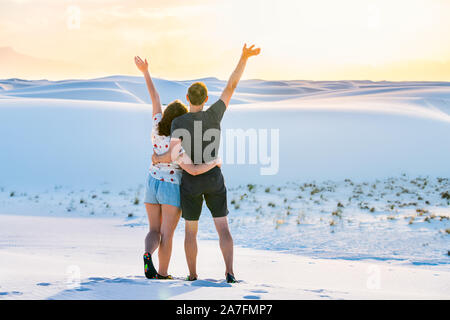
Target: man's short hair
197, 93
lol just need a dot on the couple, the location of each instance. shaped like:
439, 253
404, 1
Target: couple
184, 173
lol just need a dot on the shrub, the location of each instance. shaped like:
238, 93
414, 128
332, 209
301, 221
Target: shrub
337, 213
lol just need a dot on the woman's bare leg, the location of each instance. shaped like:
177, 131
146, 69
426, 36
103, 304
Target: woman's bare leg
170, 217
153, 237
190, 247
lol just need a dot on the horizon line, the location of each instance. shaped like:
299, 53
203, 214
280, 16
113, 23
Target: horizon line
215, 78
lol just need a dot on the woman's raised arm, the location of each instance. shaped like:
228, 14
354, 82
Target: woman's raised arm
142, 65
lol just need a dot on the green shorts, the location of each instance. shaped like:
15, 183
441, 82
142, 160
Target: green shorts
209, 186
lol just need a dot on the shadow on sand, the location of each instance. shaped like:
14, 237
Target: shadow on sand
133, 288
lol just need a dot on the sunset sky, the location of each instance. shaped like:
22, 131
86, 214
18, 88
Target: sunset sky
186, 39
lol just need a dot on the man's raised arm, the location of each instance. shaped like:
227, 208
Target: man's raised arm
237, 73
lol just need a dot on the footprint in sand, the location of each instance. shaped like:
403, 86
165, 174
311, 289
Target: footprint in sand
258, 291
17, 293
43, 284
82, 289
96, 278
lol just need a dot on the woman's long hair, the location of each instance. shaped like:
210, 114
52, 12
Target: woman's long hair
173, 110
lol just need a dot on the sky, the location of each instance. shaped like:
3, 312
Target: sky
188, 39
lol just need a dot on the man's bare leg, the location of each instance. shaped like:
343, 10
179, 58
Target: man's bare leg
190, 247
226, 243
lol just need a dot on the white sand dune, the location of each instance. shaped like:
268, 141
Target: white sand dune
66, 141
78, 127
249, 91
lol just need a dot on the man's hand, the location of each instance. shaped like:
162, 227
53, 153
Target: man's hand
140, 64
237, 73
155, 158
171, 155
249, 52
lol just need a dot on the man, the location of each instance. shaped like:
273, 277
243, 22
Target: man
193, 131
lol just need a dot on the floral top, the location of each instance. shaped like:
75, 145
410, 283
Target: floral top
168, 172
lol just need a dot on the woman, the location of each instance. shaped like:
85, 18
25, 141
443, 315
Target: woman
162, 195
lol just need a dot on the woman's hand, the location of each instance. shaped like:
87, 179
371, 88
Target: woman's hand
155, 159
140, 64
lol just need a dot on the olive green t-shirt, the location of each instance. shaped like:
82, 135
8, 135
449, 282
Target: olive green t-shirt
200, 132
